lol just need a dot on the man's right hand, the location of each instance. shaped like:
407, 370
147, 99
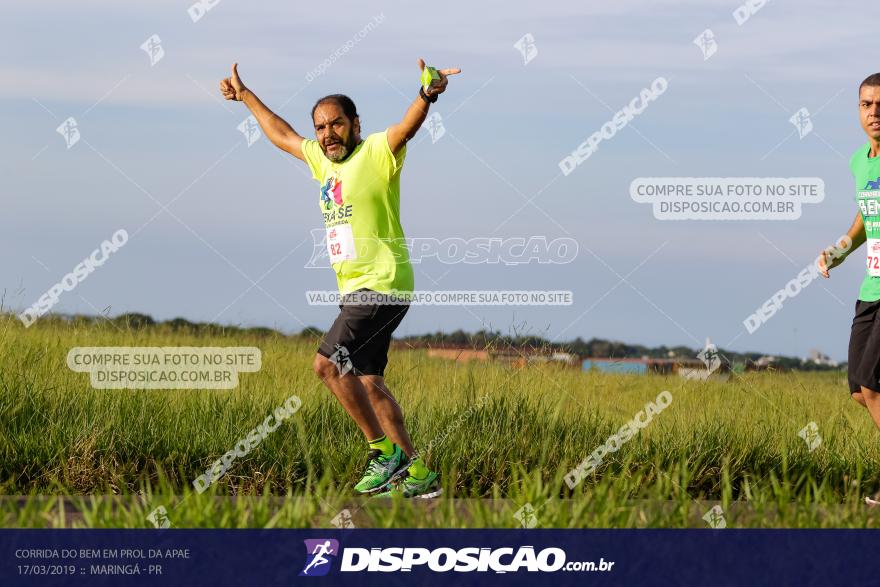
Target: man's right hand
827, 261
231, 87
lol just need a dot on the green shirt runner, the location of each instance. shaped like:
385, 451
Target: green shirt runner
360, 202
866, 171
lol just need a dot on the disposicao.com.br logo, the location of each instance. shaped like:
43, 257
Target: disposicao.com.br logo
441, 560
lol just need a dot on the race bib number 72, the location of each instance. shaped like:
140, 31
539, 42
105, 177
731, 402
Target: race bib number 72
874, 257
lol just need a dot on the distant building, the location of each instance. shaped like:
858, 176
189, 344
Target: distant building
765, 362
820, 358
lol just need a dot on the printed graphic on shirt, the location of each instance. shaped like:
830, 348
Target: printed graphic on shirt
331, 193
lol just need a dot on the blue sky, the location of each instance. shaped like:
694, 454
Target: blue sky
243, 214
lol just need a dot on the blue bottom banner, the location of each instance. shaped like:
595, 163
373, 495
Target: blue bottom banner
433, 557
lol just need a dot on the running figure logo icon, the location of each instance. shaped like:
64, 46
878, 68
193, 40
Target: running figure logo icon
802, 122
707, 44
715, 518
342, 359
250, 129
435, 126
153, 48
317, 553
527, 48
710, 356
68, 129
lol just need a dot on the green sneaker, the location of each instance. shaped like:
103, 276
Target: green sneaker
414, 487
382, 470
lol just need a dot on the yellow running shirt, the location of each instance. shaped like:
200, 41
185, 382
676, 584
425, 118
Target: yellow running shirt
360, 201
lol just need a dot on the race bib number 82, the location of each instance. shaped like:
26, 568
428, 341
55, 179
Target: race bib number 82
340, 243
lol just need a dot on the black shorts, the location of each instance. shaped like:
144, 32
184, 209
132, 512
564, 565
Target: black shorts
864, 347
362, 334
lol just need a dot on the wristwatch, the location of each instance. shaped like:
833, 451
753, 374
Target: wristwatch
426, 97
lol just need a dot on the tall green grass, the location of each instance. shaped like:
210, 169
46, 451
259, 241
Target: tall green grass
502, 436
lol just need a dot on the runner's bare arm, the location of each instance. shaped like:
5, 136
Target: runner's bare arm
407, 128
856, 233
276, 128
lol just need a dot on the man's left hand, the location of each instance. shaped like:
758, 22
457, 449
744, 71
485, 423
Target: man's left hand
439, 87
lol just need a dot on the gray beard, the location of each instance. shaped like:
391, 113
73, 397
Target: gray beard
339, 156
344, 151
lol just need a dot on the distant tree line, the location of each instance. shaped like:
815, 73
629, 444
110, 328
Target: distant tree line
597, 347
482, 339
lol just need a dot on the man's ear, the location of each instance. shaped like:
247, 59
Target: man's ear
357, 127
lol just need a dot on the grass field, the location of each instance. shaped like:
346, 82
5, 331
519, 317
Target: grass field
502, 436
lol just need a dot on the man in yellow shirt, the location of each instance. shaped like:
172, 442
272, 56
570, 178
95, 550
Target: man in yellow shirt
360, 203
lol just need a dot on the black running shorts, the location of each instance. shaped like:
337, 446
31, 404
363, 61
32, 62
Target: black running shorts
864, 347
362, 334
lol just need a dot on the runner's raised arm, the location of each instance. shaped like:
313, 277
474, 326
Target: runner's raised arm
274, 127
400, 133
